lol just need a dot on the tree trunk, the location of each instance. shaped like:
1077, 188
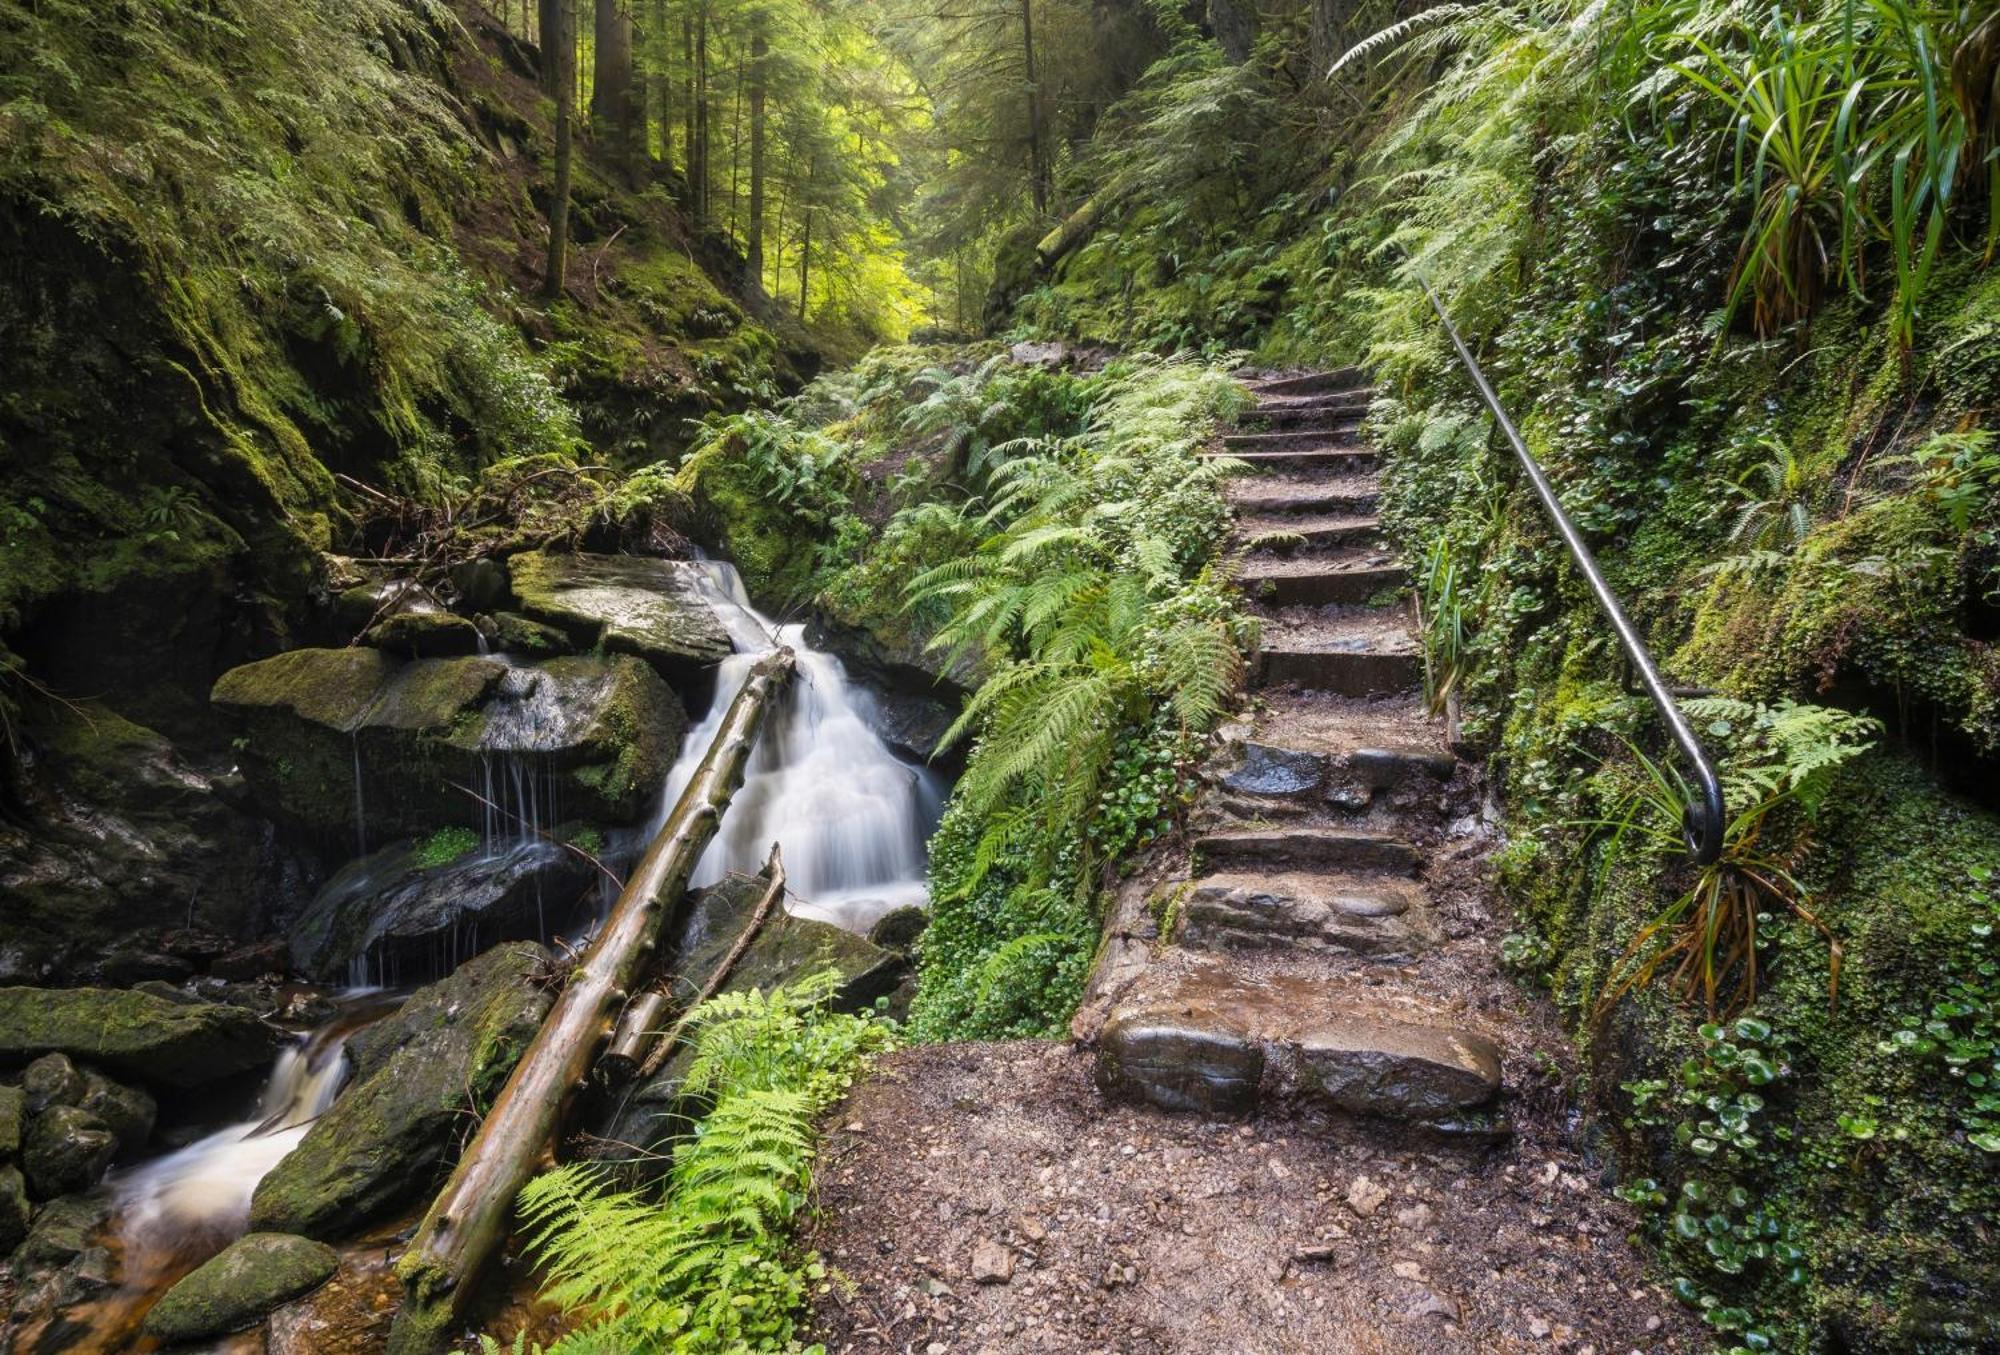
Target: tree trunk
736, 148
1038, 152
703, 200
611, 82
689, 151
805, 263
753, 250
468, 1221
661, 82
548, 33
552, 280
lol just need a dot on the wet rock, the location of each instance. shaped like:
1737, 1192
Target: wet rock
159, 1042
363, 605
63, 1229
517, 634
253, 961
168, 992
1160, 1057
481, 583
406, 917
421, 736
51, 1080
1398, 1069
126, 1111
14, 1208
417, 1075
1268, 770
68, 1150
253, 1275
419, 634
126, 966
654, 609
899, 928
897, 660
13, 1108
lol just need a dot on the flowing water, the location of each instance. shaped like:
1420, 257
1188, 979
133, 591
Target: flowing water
851, 816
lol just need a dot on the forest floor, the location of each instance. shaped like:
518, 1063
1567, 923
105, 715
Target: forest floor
1120, 1229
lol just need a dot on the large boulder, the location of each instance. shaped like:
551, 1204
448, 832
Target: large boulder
15, 1211
135, 1034
332, 734
118, 833
913, 693
12, 1106
235, 1288
399, 914
126, 1111
418, 1075
656, 609
68, 1150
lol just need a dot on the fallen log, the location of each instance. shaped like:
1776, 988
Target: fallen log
468, 1221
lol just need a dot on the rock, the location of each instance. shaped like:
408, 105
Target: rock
899, 928
1396, 1068
126, 1111
118, 832
517, 634
416, 1076
129, 965
424, 634
168, 992
897, 659
253, 961
1434, 1304
51, 1080
992, 1262
162, 1043
602, 733
63, 1229
655, 609
68, 1150
1269, 770
14, 1208
1159, 1056
361, 606
251, 1276
13, 1108
401, 915
1364, 1197
481, 583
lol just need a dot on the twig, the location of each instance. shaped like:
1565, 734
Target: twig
541, 833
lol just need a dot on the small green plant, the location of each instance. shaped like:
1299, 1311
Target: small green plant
1960, 1034
1783, 756
1441, 608
708, 1263
445, 846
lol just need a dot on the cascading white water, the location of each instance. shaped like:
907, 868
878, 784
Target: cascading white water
199, 1198
851, 816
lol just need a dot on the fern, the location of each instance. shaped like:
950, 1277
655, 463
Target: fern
709, 1265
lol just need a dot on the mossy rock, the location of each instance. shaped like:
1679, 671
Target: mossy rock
12, 1106
418, 634
15, 1210
68, 1150
517, 634
626, 604
162, 1043
418, 1075
234, 1289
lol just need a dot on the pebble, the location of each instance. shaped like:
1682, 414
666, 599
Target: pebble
992, 1263
1364, 1197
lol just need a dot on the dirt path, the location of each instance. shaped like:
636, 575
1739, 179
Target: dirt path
1378, 1146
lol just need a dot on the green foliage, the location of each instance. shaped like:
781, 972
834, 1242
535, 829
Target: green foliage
445, 846
710, 1263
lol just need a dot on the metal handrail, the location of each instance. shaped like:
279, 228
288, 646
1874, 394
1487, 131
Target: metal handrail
1702, 822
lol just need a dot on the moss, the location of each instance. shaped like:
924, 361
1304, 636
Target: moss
445, 846
237, 1287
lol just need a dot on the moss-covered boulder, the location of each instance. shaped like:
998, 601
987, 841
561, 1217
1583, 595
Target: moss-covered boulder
655, 609
12, 1105
335, 733
68, 1150
15, 1211
148, 1038
400, 909
127, 1112
519, 635
425, 634
417, 1076
235, 1288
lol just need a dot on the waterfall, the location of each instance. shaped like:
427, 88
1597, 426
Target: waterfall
851, 816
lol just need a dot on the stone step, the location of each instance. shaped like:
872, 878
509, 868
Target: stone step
1278, 769
1365, 915
1334, 415
1310, 383
1351, 651
1221, 1043
1319, 580
1313, 531
1295, 440
1340, 461
1277, 495
1307, 848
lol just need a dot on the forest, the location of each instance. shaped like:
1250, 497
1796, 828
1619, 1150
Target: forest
999, 675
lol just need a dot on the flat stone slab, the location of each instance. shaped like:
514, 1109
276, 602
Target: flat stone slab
1220, 1043
629, 604
1318, 849
1366, 915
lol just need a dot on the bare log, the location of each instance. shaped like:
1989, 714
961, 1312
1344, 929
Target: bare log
774, 889
638, 1024
468, 1221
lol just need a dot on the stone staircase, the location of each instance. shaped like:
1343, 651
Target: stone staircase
1295, 979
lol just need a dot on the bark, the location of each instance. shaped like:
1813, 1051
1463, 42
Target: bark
735, 147
552, 280
638, 1027
659, 83
548, 33
468, 1222
703, 202
611, 83
1038, 153
1234, 24
753, 250
689, 150
774, 889
1073, 230
805, 263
